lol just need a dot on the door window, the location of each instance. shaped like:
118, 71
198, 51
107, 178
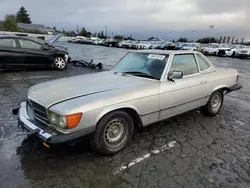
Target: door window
185, 63
29, 44
8, 43
202, 63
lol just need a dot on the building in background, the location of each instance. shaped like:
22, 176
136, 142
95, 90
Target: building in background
33, 28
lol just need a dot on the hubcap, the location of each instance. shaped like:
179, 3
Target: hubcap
60, 63
216, 102
115, 132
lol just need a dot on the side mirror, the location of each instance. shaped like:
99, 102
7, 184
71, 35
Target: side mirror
175, 75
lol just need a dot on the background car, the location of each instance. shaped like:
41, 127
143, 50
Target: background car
191, 46
27, 52
211, 49
223, 49
239, 51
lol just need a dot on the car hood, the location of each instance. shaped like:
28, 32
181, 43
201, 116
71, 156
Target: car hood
62, 48
53, 92
224, 48
211, 49
188, 47
53, 39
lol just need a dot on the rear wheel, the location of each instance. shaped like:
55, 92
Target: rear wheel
113, 132
214, 103
60, 63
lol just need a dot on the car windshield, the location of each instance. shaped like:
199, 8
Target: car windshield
215, 46
225, 46
191, 45
142, 64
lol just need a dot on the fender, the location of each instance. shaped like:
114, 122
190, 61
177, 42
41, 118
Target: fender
116, 107
219, 87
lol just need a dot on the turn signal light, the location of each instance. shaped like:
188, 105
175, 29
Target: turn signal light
73, 120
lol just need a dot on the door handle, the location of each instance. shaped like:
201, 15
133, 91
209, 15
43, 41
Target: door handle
203, 81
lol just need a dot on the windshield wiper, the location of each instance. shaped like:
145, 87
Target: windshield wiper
142, 74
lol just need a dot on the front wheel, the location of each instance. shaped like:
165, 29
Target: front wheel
214, 103
60, 63
113, 132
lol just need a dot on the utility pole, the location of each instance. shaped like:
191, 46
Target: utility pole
106, 31
77, 29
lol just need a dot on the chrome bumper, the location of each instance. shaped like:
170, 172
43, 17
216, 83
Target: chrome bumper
46, 133
24, 121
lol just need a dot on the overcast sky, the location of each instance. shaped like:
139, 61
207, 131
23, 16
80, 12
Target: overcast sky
163, 18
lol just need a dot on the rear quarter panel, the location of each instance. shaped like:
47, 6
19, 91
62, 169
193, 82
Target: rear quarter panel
219, 78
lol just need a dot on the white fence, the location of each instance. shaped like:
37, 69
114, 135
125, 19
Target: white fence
63, 38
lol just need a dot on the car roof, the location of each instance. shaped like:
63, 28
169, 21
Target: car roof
164, 51
15, 36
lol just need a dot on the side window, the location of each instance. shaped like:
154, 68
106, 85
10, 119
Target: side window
29, 44
202, 63
185, 63
8, 43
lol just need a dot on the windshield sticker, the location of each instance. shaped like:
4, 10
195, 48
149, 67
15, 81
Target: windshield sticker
155, 56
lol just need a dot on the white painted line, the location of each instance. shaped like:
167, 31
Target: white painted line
139, 159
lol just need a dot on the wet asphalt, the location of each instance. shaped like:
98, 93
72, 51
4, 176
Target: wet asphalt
207, 152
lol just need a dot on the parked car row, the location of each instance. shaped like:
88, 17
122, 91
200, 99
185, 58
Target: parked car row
134, 44
226, 50
94, 41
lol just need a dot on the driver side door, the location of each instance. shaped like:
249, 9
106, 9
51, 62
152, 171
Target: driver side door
182, 95
34, 54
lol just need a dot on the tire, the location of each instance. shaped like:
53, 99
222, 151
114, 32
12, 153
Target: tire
233, 54
211, 108
60, 63
107, 141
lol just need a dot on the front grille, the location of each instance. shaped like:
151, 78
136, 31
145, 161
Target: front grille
39, 111
243, 51
221, 52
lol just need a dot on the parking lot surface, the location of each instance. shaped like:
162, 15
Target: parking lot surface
190, 150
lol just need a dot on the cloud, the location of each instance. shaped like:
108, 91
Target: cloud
137, 15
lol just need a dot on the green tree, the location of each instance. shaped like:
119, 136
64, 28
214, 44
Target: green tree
22, 16
118, 37
10, 23
207, 40
182, 39
84, 33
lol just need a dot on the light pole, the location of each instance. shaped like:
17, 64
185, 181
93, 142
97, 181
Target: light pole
211, 27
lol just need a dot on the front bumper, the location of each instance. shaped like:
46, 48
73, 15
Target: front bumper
209, 53
242, 55
44, 132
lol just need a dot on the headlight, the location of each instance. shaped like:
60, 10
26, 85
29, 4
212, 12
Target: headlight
65, 122
53, 118
62, 123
